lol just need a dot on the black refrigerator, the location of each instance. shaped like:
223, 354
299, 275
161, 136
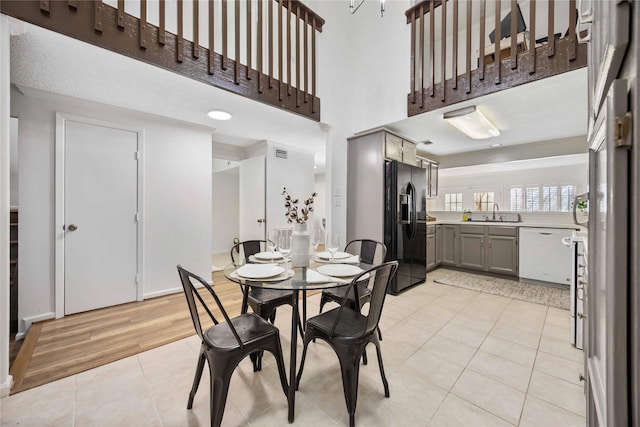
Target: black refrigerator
405, 225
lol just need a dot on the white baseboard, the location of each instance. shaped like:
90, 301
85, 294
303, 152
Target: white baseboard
28, 321
20, 336
171, 291
5, 387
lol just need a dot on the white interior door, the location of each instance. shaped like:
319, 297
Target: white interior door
252, 198
100, 206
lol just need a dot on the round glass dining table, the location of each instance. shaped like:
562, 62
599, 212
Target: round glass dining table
294, 279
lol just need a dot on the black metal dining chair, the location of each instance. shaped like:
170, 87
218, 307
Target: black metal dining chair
348, 332
263, 302
226, 343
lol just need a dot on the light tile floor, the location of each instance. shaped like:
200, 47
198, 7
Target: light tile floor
453, 357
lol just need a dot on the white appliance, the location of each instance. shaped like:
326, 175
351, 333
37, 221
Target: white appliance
543, 256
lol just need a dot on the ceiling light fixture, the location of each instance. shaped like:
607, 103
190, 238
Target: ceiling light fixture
472, 122
354, 8
495, 145
219, 115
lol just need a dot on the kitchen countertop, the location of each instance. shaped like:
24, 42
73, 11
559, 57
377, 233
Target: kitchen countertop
506, 224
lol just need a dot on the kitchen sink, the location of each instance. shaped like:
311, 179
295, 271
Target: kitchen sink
499, 217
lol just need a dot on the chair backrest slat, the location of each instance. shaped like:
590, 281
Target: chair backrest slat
246, 249
192, 293
370, 251
379, 278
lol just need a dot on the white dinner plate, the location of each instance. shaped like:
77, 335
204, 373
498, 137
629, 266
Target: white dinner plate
339, 270
280, 277
338, 255
259, 271
268, 255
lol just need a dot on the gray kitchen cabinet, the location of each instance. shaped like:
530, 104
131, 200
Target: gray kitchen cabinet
432, 179
489, 248
502, 255
396, 148
449, 245
431, 251
472, 249
438, 244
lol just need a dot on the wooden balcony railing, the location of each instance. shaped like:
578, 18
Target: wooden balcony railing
454, 45
261, 49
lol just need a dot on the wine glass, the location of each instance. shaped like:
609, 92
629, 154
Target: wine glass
284, 246
333, 243
273, 242
315, 239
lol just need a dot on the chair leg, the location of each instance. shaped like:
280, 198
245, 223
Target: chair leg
364, 357
350, 367
275, 348
307, 338
196, 379
219, 391
384, 377
379, 334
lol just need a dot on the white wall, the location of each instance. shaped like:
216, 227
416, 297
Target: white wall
177, 197
13, 154
5, 378
226, 213
377, 52
295, 173
468, 180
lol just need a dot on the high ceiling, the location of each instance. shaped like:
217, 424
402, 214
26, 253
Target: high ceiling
549, 109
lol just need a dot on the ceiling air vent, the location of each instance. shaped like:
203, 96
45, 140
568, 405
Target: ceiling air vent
282, 154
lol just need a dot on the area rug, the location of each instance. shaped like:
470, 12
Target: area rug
538, 294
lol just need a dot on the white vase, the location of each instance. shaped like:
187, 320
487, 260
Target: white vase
300, 246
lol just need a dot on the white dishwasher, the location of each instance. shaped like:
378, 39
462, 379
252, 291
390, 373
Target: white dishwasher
543, 256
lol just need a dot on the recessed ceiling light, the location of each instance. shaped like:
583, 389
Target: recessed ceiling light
219, 115
495, 145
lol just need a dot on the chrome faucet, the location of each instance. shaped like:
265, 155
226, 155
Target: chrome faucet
495, 208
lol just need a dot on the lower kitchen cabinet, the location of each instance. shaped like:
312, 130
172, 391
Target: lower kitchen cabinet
502, 255
438, 245
432, 245
449, 245
472, 247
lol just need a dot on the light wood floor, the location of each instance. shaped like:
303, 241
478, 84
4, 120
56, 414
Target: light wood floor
58, 348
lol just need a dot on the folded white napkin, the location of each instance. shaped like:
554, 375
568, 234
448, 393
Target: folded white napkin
316, 277
355, 259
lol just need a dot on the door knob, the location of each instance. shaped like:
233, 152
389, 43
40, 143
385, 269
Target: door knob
73, 227
262, 220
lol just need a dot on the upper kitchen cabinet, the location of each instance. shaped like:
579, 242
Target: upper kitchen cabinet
432, 175
402, 150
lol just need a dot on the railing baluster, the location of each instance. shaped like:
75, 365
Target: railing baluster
483, 17
236, 63
144, 28
514, 35
196, 30
270, 43
212, 45
297, 54
532, 35
443, 50
121, 14
280, 78
496, 49
455, 45
98, 9
551, 39
313, 64
288, 46
162, 29
306, 55
412, 73
422, 63
259, 47
72, 4
249, 23
180, 39
573, 16
468, 58
225, 35
432, 49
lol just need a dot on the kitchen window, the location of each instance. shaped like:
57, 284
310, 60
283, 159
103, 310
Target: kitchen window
542, 198
483, 201
453, 202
